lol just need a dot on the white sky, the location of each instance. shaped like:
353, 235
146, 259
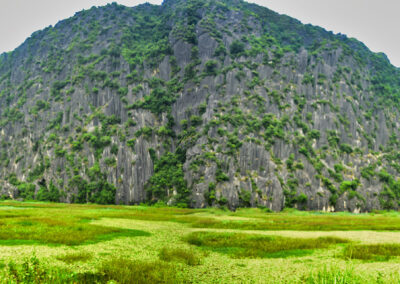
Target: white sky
374, 22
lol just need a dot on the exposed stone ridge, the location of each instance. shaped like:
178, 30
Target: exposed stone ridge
199, 103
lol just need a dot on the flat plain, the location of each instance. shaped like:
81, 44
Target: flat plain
61, 243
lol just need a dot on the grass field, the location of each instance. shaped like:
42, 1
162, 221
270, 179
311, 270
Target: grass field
60, 243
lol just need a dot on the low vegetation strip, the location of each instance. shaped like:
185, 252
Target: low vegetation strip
104, 245
375, 252
127, 271
337, 275
122, 270
75, 257
187, 256
259, 246
309, 222
61, 224
258, 219
115, 270
31, 228
252, 218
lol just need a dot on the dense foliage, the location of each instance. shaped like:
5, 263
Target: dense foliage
198, 103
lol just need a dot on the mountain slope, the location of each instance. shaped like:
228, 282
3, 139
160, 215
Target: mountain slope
199, 103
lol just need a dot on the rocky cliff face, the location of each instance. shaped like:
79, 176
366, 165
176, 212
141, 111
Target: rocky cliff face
199, 103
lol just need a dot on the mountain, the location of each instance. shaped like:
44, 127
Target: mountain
199, 103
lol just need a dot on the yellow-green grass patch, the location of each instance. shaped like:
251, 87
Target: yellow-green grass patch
374, 252
185, 255
80, 256
259, 246
17, 230
169, 226
365, 237
243, 219
126, 271
340, 275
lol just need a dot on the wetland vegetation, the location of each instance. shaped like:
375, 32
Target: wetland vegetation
66, 243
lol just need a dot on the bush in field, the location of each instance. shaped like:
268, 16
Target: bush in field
134, 271
187, 256
334, 275
377, 252
75, 257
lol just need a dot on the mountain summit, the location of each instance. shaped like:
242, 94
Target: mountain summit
199, 103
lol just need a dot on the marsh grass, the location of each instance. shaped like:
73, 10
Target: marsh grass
374, 252
259, 220
335, 275
18, 230
81, 256
121, 233
285, 221
65, 224
133, 271
121, 270
187, 256
204, 218
32, 271
259, 246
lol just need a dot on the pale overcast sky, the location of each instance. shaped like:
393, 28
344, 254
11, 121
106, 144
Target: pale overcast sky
374, 22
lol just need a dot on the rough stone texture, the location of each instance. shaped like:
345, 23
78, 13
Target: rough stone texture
255, 167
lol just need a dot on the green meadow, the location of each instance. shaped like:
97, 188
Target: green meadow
61, 243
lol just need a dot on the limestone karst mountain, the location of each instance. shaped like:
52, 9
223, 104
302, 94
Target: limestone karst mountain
199, 103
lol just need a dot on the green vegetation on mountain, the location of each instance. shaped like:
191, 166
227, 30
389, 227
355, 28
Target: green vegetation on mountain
199, 103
